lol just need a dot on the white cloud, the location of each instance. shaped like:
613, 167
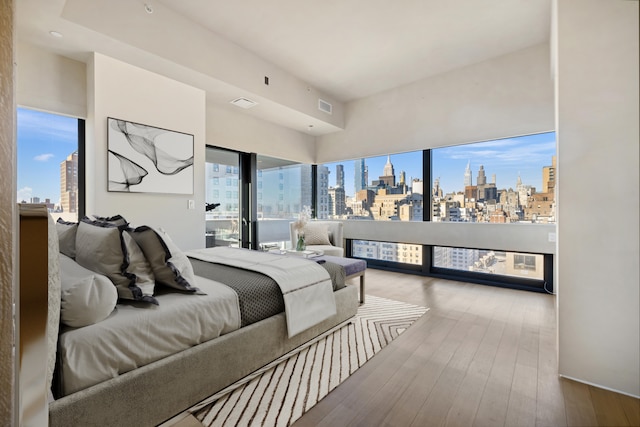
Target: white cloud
24, 194
43, 157
494, 153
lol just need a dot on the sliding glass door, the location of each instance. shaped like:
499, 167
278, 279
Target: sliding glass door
223, 198
250, 199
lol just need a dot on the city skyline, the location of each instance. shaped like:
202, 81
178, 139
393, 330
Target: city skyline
506, 158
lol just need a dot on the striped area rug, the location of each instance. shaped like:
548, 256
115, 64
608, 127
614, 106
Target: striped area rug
279, 393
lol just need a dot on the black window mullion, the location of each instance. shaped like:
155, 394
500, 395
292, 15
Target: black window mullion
427, 202
248, 167
314, 191
80, 197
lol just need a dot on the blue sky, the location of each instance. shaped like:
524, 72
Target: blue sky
44, 140
525, 155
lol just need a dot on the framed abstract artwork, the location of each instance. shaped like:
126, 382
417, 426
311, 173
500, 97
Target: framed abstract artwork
147, 159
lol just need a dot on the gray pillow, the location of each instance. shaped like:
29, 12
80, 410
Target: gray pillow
115, 220
87, 297
170, 265
106, 249
67, 237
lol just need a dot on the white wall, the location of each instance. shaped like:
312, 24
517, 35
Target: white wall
532, 238
506, 96
598, 137
126, 92
50, 82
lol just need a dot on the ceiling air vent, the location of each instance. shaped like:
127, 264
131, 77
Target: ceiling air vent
325, 106
244, 103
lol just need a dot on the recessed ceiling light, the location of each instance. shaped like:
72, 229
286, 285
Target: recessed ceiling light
55, 34
148, 8
244, 103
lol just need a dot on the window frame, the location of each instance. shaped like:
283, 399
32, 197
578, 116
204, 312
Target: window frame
82, 156
428, 269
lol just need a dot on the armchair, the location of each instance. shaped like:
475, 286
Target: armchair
321, 235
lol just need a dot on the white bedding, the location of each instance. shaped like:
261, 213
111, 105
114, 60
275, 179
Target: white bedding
305, 285
98, 352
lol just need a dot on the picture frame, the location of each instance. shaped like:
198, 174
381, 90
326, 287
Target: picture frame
148, 159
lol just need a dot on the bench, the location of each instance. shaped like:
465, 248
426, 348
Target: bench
352, 268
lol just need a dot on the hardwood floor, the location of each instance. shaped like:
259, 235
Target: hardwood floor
481, 356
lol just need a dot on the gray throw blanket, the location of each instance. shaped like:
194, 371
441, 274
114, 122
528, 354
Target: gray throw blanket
259, 295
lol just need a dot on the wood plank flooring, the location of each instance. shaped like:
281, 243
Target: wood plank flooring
481, 356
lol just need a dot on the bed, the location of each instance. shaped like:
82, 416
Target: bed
208, 344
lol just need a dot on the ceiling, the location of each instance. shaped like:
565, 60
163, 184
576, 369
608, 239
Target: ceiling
348, 49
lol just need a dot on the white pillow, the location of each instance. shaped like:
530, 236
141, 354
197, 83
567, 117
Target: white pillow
316, 234
87, 297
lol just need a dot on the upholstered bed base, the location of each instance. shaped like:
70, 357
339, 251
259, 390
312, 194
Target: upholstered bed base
154, 393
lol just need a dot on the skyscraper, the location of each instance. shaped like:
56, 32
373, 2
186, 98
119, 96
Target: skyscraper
340, 176
468, 180
549, 177
360, 177
69, 183
323, 200
388, 177
337, 205
388, 168
482, 179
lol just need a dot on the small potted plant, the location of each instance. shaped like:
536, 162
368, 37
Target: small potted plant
303, 218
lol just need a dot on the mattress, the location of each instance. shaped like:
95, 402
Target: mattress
95, 353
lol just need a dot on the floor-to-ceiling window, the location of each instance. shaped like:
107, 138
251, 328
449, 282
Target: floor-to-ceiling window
50, 162
383, 188
504, 181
